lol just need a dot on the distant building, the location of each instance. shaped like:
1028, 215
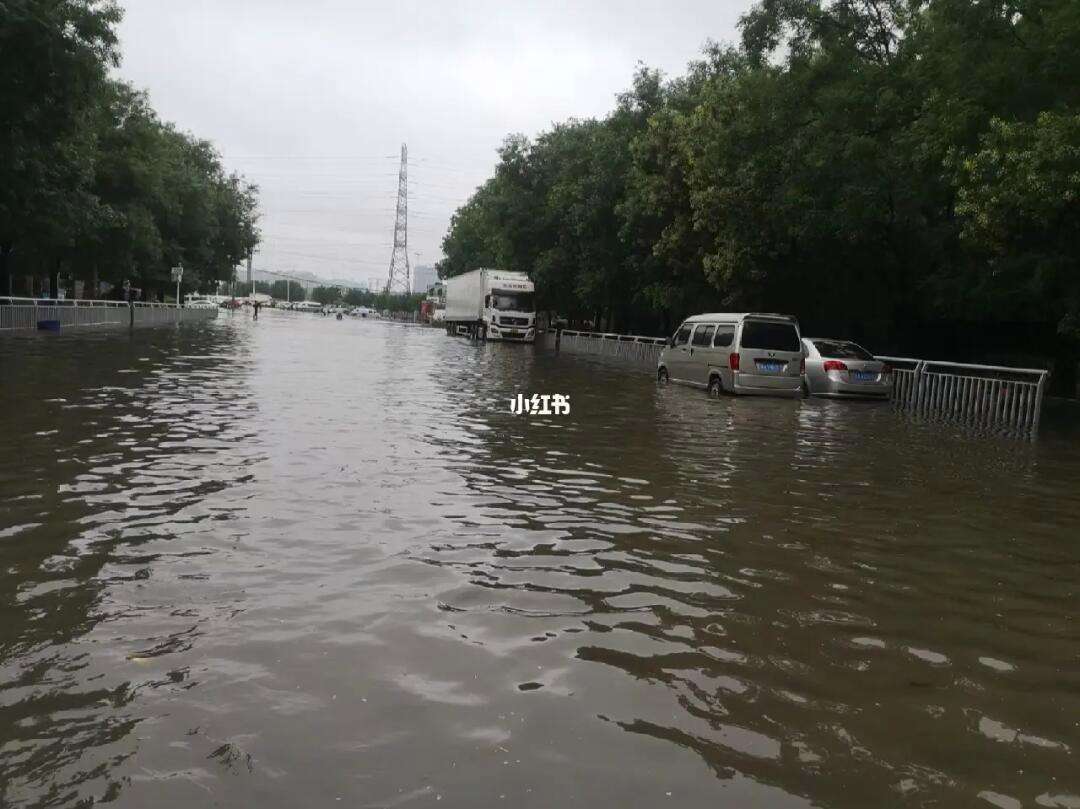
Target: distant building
424, 276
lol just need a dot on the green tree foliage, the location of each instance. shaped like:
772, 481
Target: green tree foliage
384, 301
92, 184
47, 138
864, 164
244, 289
287, 291
326, 295
1019, 196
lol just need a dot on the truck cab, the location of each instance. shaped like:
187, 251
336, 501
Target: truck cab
509, 313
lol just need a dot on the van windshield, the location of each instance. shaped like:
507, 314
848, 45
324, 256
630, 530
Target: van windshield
770, 336
512, 301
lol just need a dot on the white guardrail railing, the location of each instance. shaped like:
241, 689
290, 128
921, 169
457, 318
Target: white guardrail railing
27, 313
987, 396
631, 347
984, 396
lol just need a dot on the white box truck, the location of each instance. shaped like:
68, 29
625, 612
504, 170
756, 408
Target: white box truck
491, 305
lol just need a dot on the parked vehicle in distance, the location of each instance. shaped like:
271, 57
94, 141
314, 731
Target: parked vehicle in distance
362, 311
842, 368
197, 301
747, 353
307, 306
492, 305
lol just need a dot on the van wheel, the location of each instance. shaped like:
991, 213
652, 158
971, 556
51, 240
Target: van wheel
662, 376
716, 387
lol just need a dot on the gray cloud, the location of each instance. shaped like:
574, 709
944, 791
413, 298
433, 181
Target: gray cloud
312, 100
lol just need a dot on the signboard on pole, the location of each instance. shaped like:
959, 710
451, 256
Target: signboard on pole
177, 274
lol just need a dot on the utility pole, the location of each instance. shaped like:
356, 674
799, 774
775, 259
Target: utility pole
177, 274
399, 278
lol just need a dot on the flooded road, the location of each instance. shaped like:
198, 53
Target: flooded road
301, 562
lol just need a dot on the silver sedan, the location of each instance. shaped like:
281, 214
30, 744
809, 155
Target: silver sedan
842, 368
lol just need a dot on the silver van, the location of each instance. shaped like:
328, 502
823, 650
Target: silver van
748, 352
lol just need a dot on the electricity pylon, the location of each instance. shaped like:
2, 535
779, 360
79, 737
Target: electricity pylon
400, 278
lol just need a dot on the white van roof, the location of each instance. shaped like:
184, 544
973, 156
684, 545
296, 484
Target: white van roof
735, 317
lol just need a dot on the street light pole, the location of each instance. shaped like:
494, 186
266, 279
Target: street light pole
177, 273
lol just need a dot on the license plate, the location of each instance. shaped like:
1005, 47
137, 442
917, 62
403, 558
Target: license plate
864, 376
513, 333
770, 367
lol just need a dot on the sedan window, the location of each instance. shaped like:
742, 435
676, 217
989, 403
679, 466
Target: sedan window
842, 350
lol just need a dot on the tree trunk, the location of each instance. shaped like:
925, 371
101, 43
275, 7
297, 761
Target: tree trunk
1063, 377
5, 268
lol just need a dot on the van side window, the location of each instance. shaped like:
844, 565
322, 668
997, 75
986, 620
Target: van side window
724, 336
682, 336
703, 335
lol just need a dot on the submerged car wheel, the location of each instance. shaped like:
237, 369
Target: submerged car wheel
716, 387
662, 376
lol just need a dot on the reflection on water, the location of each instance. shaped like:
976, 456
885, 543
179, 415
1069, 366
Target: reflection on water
301, 562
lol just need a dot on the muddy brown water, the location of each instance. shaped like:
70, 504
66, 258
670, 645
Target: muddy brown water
303, 562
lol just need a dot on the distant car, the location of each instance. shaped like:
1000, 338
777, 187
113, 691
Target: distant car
841, 368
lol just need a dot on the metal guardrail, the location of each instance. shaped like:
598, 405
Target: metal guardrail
631, 347
25, 313
986, 396
991, 397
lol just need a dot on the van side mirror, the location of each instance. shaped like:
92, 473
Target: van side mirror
671, 341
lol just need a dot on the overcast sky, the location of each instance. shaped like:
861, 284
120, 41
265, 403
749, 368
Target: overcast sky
313, 99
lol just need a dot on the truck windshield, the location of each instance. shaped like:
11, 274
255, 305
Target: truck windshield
512, 301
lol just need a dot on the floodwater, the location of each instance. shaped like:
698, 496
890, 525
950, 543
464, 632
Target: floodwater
301, 562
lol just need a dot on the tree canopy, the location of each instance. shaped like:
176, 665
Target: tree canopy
867, 166
93, 185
